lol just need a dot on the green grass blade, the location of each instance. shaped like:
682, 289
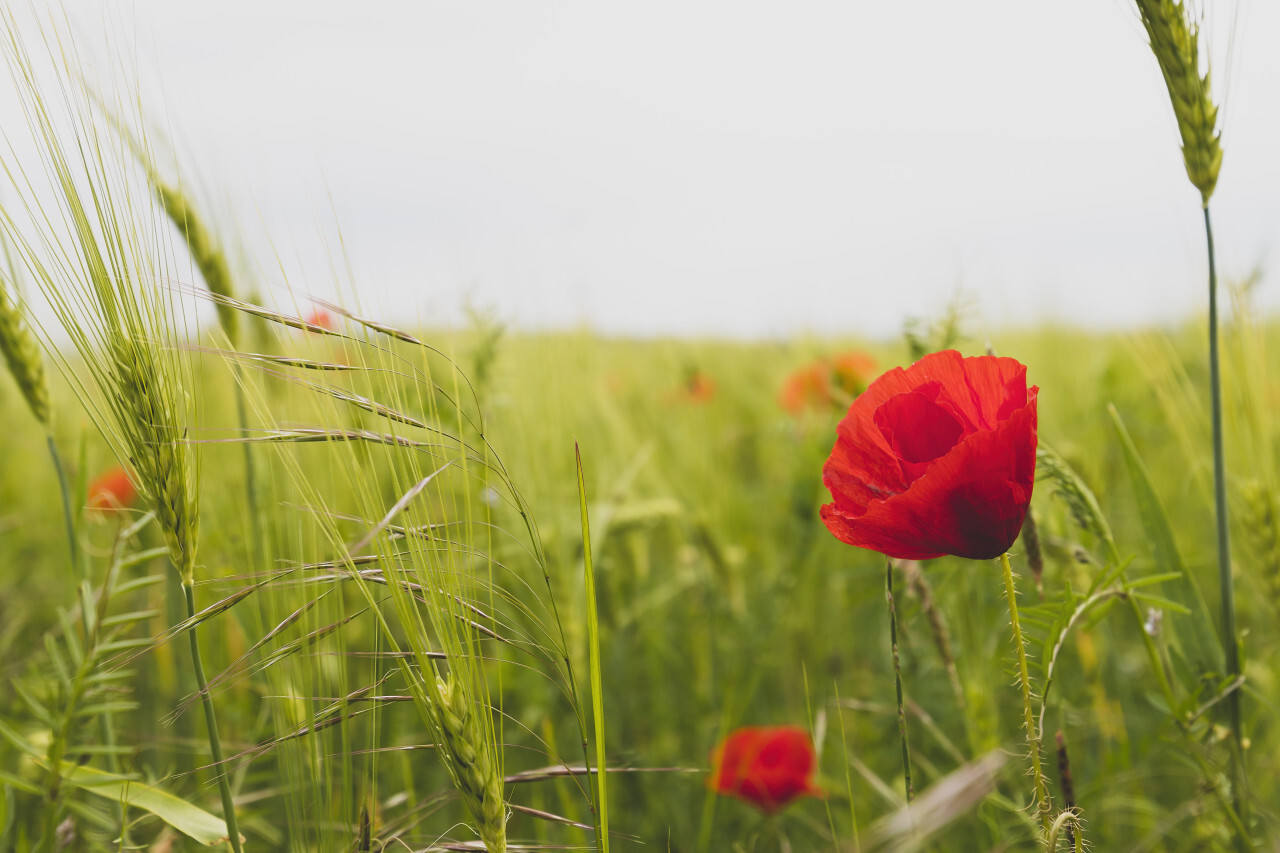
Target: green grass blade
593, 643
188, 819
1204, 647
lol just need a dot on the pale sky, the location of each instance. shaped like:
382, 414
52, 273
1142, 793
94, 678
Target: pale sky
728, 168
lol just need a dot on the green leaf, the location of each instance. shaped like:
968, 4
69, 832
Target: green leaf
1204, 650
593, 644
188, 819
1162, 603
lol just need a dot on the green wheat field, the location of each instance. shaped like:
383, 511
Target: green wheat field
368, 588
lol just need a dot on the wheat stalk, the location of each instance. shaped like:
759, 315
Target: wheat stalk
1174, 40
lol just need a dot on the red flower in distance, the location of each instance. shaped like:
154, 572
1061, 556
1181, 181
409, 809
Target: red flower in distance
808, 387
939, 458
815, 385
112, 490
698, 386
767, 766
320, 317
852, 371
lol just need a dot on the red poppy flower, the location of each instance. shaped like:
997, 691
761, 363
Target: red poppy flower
320, 317
813, 386
808, 387
936, 459
112, 490
767, 766
698, 386
852, 371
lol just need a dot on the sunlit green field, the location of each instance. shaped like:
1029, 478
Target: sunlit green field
722, 599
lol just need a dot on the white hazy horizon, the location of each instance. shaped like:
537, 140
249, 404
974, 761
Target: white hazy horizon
734, 169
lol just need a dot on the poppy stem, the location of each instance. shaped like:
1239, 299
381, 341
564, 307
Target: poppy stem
1024, 678
897, 679
1230, 647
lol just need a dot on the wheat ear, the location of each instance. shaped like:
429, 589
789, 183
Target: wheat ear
157, 448
204, 251
23, 356
466, 755
1174, 40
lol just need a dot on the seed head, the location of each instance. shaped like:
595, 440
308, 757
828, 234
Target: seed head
467, 756
23, 356
1174, 40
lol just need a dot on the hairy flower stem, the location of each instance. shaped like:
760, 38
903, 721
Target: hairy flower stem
211, 722
67, 515
1230, 649
897, 679
1033, 736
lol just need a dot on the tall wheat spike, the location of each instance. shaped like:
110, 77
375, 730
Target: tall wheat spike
1174, 36
1174, 41
97, 268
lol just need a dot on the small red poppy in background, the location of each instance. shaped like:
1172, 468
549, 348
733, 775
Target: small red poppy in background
939, 458
698, 386
321, 317
806, 388
852, 371
112, 490
827, 383
767, 766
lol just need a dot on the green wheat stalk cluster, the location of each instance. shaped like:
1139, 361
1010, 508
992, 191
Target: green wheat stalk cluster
22, 354
1174, 40
465, 752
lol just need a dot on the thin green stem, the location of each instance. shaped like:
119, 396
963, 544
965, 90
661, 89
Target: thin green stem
1230, 649
211, 722
67, 515
1043, 807
597, 684
897, 680
250, 476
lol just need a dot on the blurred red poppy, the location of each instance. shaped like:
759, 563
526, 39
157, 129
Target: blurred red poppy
852, 371
698, 386
320, 317
936, 459
767, 766
112, 490
808, 387
827, 382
